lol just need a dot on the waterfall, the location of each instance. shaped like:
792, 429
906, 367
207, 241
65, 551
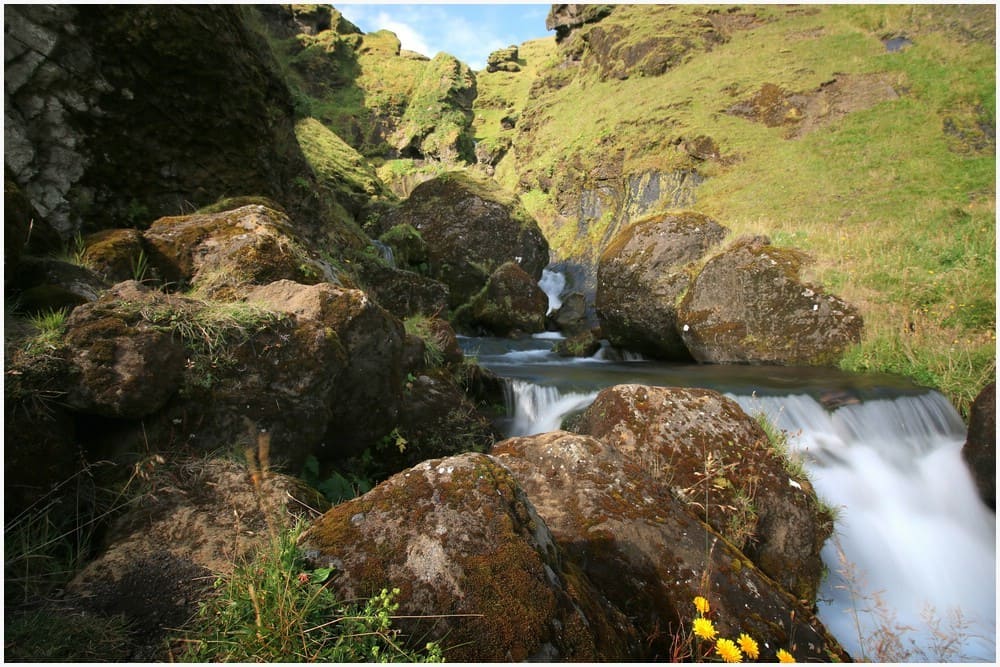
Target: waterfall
536, 409
385, 252
553, 283
913, 554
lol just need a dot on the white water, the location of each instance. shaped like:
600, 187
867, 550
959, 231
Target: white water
553, 283
386, 253
914, 547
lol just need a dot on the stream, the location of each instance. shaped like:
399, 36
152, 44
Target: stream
913, 556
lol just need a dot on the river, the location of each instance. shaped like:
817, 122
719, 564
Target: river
912, 564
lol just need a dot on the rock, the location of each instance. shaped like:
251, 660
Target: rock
403, 293
408, 248
42, 284
571, 316
503, 59
511, 302
221, 253
612, 516
366, 396
584, 344
437, 123
980, 451
709, 454
471, 227
643, 273
748, 305
160, 557
490, 581
117, 255
565, 18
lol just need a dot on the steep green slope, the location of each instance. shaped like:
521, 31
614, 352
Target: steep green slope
805, 127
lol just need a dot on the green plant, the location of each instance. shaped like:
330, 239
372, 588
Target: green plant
273, 608
422, 327
139, 265
43, 636
49, 327
334, 485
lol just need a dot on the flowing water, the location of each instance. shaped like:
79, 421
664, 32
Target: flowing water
914, 547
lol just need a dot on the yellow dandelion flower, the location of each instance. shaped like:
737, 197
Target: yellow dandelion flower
704, 628
749, 646
701, 604
785, 656
728, 650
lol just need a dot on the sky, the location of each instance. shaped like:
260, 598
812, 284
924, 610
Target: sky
468, 32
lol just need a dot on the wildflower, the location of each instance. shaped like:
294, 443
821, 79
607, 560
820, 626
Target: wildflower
728, 650
749, 646
701, 604
303, 578
785, 656
704, 628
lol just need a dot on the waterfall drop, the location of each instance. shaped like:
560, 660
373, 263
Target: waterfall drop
553, 283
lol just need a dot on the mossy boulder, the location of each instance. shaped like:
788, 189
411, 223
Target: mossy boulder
221, 253
980, 449
706, 452
116, 255
471, 227
613, 517
511, 302
749, 305
408, 248
643, 273
490, 582
43, 284
365, 399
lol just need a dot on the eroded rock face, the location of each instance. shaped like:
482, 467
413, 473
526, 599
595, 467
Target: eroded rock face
647, 554
705, 451
980, 446
494, 574
471, 228
220, 253
748, 305
511, 302
643, 273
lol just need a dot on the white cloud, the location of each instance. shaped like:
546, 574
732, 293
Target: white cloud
409, 36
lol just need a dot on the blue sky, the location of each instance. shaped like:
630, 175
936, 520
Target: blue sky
468, 32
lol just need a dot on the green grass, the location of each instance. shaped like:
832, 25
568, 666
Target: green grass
274, 608
420, 326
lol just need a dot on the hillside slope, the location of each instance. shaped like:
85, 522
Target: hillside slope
863, 135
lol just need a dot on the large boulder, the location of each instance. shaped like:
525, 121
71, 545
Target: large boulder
42, 284
642, 275
367, 393
490, 582
471, 228
749, 305
158, 559
613, 516
511, 302
221, 253
403, 293
980, 450
704, 450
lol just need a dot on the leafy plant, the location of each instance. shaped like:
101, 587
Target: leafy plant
336, 487
273, 608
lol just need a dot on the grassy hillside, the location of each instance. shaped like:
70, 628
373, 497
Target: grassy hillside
879, 164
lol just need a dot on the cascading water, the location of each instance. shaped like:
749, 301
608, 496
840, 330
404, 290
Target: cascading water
913, 557
385, 252
553, 283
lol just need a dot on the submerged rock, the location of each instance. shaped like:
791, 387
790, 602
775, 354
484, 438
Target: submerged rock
643, 274
748, 305
491, 582
613, 516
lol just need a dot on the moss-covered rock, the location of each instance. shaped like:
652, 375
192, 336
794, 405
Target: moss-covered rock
749, 305
510, 302
709, 454
491, 582
612, 516
642, 275
471, 227
116, 255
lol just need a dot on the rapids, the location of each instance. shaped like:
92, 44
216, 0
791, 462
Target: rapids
912, 564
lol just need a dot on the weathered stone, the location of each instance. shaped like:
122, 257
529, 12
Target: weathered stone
490, 581
980, 451
571, 316
403, 293
643, 273
510, 302
614, 517
748, 305
220, 253
117, 255
470, 227
584, 344
709, 454
565, 18
503, 59
366, 397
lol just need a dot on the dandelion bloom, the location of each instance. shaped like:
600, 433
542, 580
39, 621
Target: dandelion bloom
728, 650
704, 628
749, 646
701, 604
785, 656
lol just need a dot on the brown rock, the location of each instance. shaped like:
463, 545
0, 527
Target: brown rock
980, 446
